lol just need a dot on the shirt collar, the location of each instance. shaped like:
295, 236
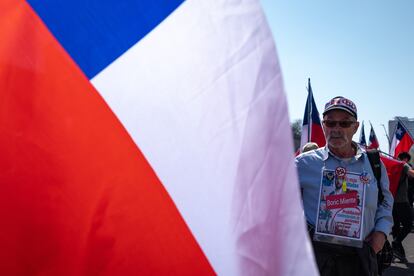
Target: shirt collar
326, 152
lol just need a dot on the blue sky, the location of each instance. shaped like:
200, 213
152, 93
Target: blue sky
363, 50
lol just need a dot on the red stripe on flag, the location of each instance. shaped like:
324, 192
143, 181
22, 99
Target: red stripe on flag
404, 145
77, 196
317, 135
394, 170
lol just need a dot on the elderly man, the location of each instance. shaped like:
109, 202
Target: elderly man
348, 227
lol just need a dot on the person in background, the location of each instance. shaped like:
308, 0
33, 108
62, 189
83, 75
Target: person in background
342, 155
309, 146
402, 211
411, 189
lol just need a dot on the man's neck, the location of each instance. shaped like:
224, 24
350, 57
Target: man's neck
345, 152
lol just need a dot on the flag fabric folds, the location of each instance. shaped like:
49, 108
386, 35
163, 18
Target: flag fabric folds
128, 133
401, 140
373, 141
311, 127
394, 170
393, 166
362, 140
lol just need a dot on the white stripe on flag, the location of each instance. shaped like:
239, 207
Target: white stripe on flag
202, 97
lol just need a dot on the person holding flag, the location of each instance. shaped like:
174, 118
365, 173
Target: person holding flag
394, 167
398, 174
401, 210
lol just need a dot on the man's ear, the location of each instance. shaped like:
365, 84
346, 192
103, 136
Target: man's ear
356, 126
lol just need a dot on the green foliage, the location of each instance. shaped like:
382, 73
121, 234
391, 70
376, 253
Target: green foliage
296, 132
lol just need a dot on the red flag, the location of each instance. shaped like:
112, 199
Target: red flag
312, 127
394, 169
401, 141
373, 141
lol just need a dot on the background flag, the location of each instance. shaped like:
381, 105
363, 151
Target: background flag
394, 169
129, 146
311, 128
393, 166
401, 140
373, 141
362, 140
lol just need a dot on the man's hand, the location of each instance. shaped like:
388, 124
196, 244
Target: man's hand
376, 239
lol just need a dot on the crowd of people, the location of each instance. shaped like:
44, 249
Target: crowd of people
348, 206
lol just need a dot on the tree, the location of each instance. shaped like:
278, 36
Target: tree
296, 132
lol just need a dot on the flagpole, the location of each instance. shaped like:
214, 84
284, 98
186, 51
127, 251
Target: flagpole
388, 137
380, 151
363, 133
387, 154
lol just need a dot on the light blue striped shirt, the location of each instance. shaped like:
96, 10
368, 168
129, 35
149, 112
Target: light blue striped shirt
309, 166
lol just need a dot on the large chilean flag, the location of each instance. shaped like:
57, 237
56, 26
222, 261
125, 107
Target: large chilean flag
145, 138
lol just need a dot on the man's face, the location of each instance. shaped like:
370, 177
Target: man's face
338, 136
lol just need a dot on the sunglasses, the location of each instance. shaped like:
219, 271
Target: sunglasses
342, 124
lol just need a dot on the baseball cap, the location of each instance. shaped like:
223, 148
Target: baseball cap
341, 103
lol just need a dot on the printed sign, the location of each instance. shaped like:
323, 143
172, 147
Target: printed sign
340, 211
